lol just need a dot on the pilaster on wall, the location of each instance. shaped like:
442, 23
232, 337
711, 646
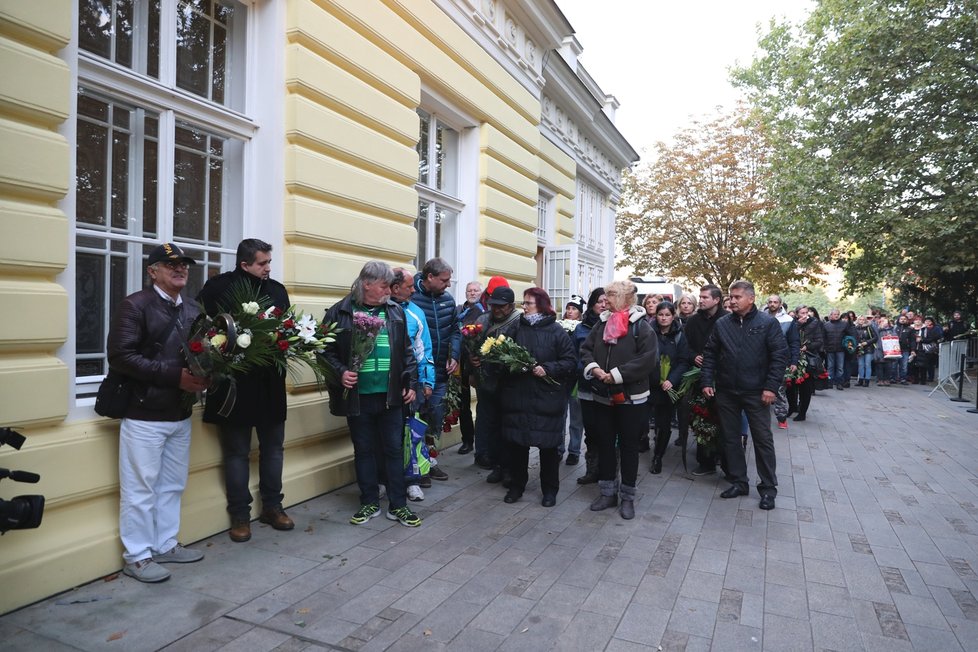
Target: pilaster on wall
34, 166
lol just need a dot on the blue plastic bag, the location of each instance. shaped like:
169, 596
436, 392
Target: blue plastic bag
416, 460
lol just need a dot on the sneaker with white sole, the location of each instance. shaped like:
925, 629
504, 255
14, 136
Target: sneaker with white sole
414, 493
404, 516
146, 570
365, 513
179, 555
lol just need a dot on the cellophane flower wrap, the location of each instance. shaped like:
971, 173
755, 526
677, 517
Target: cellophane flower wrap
363, 340
299, 339
511, 356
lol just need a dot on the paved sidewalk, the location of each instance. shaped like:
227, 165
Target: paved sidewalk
873, 546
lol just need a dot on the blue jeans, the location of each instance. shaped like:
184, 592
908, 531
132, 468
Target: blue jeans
433, 409
378, 429
837, 367
865, 361
886, 370
236, 448
575, 427
904, 363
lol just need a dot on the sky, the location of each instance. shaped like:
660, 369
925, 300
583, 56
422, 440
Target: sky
667, 60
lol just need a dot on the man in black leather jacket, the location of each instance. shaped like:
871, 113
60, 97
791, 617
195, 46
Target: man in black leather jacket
145, 344
743, 366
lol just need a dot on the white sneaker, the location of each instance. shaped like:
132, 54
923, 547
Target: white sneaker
381, 492
414, 493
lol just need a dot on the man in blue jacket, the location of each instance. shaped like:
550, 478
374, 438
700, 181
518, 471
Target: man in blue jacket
431, 295
743, 367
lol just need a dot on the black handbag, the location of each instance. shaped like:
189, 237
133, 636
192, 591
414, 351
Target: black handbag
115, 392
114, 395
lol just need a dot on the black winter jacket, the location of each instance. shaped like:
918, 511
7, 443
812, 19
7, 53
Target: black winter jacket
698, 328
675, 345
534, 409
834, 332
260, 398
812, 336
446, 338
745, 354
404, 368
134, 350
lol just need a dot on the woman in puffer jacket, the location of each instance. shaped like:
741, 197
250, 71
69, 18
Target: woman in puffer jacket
618, 356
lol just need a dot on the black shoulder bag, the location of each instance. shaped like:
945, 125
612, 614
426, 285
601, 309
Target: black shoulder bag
115, 392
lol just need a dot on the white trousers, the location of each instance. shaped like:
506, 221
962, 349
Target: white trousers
153, 460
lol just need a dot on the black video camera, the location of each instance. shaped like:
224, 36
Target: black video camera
20, 512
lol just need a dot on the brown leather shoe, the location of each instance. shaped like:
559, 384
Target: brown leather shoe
277, 518
240, 530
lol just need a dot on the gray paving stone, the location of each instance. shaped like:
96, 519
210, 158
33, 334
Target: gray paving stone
587, 631
502, 614
608, 598
925, 638
833, 632
939, 575
783, 634
642, 624
738, 638
916, 610
697, 617
786, 573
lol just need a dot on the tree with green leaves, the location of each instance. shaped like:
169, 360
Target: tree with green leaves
872, 111
694, 212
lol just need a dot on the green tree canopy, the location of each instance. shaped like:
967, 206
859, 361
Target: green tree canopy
872, 107
694, 212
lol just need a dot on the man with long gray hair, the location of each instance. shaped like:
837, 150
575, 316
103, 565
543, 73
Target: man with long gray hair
371, 396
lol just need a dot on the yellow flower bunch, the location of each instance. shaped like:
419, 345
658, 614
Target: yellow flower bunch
491, 342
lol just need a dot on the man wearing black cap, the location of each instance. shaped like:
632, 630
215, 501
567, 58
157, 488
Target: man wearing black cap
145, 344
501, 319
260, 402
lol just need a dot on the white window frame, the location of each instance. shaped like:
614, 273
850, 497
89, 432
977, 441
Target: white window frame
559, 266
591, 209
260, 96
546, 214
459, 250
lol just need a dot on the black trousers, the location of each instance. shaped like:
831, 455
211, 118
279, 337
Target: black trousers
519, 459
622, 424
663, 426
800, 397
729, 405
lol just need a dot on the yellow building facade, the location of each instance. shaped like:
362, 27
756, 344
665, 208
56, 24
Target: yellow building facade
338, 130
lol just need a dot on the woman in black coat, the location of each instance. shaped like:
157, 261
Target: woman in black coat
672, 345
812, 341
533, 408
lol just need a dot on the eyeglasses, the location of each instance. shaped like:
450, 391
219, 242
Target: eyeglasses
176, 265
529, 303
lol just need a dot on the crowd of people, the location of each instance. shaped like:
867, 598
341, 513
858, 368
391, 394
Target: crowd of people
594, 382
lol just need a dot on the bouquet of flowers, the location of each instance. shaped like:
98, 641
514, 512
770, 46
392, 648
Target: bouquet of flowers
453, 402
298, 341
569, 325
704, 422
799, 375
471, 331
690, 380
665, 366
364, 340
510, 355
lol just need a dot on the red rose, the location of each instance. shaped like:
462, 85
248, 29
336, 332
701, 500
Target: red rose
196, 346
277, 311
288, 323
446, 428
283, 345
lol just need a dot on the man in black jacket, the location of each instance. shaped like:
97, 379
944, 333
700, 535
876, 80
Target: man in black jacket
259, 402
371, 396
698, 328
743, 366
836, 329
144, 344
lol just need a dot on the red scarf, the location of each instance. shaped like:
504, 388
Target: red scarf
616, 327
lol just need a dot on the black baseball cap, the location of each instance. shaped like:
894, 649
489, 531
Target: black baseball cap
168, 251
502, 296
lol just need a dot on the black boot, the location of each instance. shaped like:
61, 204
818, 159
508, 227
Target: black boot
590, 469
656, 467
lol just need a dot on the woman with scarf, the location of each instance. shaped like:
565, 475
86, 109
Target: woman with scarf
618, 356
674, 361
597, 303
812, 340
535, 401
